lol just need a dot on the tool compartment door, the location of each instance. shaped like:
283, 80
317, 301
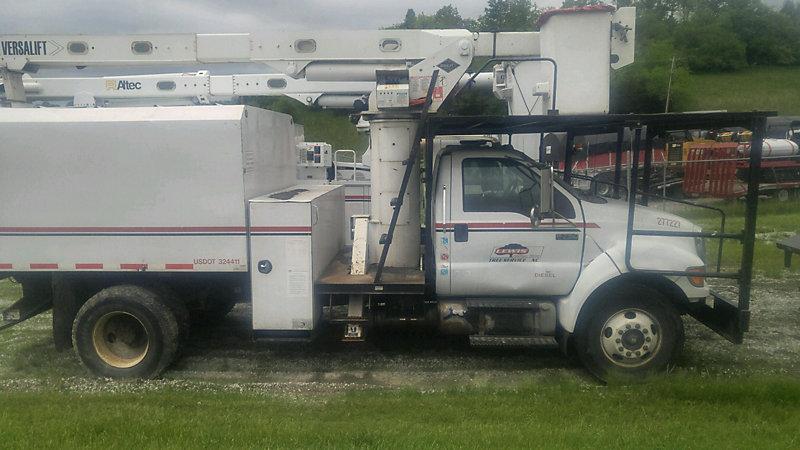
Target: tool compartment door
495, 251
292, 240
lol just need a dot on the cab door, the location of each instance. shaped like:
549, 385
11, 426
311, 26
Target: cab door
494, 249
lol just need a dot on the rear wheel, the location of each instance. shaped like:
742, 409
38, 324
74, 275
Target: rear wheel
178, 308
126, 332
633, 333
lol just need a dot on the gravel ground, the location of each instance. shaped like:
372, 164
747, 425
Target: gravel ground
771, 346
225, 358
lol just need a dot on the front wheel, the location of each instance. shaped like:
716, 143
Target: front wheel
631, 334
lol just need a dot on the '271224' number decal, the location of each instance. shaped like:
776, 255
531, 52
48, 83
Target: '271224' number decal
664, 222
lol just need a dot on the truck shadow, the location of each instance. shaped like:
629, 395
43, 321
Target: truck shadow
388, 357
40, 359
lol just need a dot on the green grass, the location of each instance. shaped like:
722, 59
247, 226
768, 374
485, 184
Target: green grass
775, 221
762, 88
676, 414
321, 125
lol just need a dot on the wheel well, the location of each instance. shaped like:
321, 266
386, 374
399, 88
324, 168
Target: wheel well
666, 287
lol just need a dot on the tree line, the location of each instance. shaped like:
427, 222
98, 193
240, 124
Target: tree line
674, 38
499, 15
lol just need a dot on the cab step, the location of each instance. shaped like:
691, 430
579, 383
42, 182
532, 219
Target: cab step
514, 341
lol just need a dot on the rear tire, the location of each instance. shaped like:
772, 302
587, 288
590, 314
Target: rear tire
126, 332
178, 308
631, 334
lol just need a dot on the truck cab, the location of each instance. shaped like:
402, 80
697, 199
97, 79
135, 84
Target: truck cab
519, 253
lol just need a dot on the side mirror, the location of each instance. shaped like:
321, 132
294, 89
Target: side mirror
545, 191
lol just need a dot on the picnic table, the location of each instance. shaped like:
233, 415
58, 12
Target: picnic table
789, 246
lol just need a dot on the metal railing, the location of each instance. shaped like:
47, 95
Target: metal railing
730, 320
718, 235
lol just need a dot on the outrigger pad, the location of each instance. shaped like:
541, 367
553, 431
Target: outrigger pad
724, 318
23, 309
36, 299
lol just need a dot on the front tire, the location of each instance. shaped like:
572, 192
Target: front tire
126, 332
630, 335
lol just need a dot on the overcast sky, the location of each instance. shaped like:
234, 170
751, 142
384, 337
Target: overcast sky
207, 16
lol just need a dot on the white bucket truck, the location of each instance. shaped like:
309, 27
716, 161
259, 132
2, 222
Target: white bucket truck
123, 220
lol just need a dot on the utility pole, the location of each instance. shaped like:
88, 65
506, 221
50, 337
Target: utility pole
669, 84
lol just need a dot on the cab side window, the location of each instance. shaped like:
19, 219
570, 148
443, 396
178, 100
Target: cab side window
498, 185
505, 185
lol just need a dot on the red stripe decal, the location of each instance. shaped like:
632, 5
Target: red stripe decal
122, 229
485, 225
179, 266
133, 266
281, 229
6, 266
514, 225
43, 266
88, 266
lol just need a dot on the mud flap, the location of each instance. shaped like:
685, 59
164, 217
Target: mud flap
66, 303
724, 317
36, 298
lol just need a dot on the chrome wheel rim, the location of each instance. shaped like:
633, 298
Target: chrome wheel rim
631, 337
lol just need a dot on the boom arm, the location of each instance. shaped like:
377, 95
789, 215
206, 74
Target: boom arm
203, 88
585, 41
316, 56
287, 51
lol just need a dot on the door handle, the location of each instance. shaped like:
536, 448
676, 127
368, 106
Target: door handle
461, 232
444, 205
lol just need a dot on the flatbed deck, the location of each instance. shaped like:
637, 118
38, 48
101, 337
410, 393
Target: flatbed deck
337, 279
